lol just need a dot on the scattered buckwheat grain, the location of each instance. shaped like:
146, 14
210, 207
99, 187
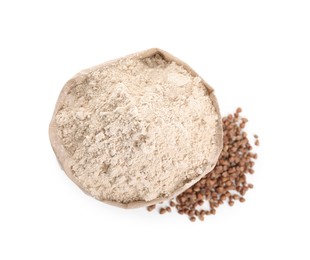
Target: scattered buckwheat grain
227, 181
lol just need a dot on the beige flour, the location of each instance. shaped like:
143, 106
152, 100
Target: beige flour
138, 129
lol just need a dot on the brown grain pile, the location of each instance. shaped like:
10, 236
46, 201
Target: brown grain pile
227, 181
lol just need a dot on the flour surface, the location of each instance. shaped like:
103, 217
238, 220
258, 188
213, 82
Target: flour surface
138, 129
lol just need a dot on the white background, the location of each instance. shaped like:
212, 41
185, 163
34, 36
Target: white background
256, 54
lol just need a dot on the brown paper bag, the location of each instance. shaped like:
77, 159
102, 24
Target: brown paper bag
64, 159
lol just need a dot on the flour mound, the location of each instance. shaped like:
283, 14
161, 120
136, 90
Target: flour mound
137, 130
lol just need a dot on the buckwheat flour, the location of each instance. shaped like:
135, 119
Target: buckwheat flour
138, 129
